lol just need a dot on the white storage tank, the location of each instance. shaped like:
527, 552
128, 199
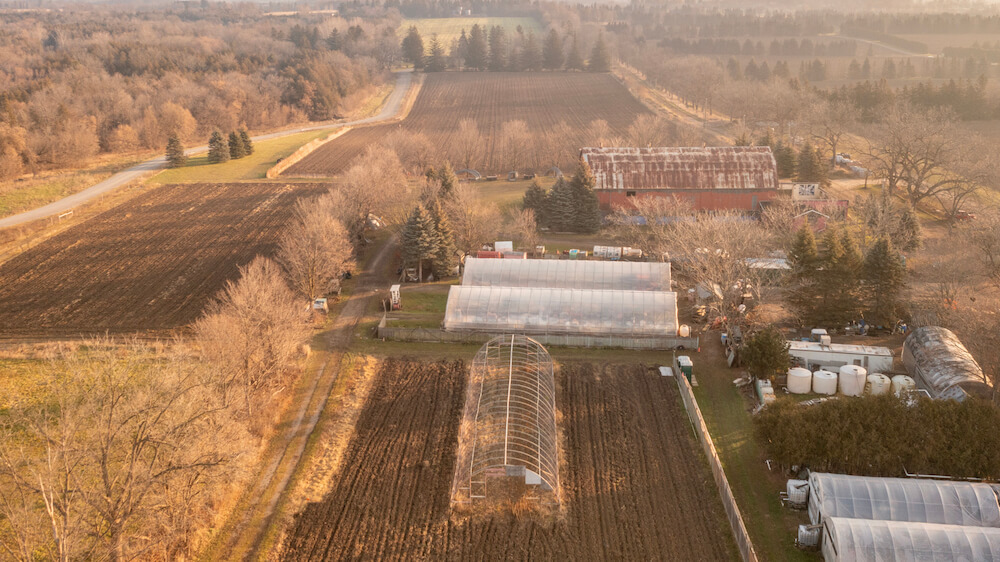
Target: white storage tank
684, 331
901, 384
797, 492
809, 535
825, 382
878, 384
799, 380
852, 380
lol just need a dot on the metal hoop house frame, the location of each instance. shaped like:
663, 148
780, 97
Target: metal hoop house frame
509, 423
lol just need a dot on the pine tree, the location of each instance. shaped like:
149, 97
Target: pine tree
175, 153
840, 280
767, 140
586, 208
413, 48
560, 212
446, 257
822, 168
218, 149
885, 277
784, 157
808, 165
436, 60
477, 56
236, 150
498, 49
574, 60
600, 57
531, 58
910, 235
765, 353
552, 53
247, 142
460, 50
420, 239
534, 199
446, 175
333, 41
803, 257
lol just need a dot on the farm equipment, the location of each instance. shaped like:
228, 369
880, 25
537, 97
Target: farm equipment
395, 302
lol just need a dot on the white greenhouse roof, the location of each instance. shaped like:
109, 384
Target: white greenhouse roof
568, 274
857, 540
561, 311
902, 499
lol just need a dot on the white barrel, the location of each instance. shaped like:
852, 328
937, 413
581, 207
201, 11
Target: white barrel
902, 383
852, 380
684, 331
878, 384
799, 380
825, 382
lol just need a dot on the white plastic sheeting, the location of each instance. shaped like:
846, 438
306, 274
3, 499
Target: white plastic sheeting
902, 499
857, 540
567, 274
561, 311
937, 358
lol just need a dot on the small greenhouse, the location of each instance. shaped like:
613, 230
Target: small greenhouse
944, 502
938, 360
857, 540
561, 311
567, 274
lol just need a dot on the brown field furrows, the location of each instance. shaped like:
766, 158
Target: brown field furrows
541, 100
147, 265
634, 484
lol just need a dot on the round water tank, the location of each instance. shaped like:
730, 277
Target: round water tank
684, 331
852, 380
825, 382
878, 384
902, 383
799, 381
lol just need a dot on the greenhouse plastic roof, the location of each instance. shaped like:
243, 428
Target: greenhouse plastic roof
856, 540
567, 274
937, 358
562, 311
902, 499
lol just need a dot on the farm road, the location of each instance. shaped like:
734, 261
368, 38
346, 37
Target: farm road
258, 510
389, 110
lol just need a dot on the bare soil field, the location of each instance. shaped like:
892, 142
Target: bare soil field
541, 100
149, 264
634, 484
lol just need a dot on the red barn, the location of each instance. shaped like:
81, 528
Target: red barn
712, 178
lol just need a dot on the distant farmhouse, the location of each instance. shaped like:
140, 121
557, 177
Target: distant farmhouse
711, 178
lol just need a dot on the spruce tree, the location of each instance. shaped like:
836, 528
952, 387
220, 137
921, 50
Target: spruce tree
218, 149
477, 56
803, 257
822, 168
436, 61
586, 208
784, 157
247, 142
552, 53
600, 56
910, 234
885, 280
808, 165
460, 51
498, 49
560, 212
765, 354
574, 60
333, 41
534, 199
446, 175
236, 150
840, 280
413, 48
446, 257
420, 239
175, 153
531, 57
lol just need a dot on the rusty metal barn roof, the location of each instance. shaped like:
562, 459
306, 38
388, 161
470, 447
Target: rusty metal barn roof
713, 167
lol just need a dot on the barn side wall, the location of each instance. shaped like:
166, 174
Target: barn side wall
702, 199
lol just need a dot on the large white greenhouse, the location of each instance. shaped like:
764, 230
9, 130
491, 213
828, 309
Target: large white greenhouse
860, 540
561, 311
567, 274
902, 499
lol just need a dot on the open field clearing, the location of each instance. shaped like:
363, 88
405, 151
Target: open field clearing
449, 29
149, 264
490, 99
635, 486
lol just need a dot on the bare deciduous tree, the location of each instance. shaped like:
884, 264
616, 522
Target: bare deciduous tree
467, 145
515, 143
415, 151
521, 226
474, 221
373, 184
651, 130
315, 250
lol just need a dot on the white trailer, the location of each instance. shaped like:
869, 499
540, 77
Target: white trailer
813, 355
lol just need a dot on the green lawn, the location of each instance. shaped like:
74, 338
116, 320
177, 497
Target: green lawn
26, 194
449, 29
253, 167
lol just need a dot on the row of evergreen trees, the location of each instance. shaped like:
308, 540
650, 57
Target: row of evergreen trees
808, 164
833, 284
570, 206
219, 150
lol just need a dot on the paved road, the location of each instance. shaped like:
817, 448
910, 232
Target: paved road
389, 110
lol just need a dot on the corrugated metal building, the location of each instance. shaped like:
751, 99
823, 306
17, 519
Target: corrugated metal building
712, 178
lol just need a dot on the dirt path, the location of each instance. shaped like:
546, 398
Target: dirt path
241, 539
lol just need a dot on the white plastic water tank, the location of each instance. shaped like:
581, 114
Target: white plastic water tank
852, 380
799, 380
878, 383
797, 492
902, 383
684, 331
809, 535
825, 382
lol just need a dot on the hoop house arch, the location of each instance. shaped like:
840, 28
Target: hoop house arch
508, 433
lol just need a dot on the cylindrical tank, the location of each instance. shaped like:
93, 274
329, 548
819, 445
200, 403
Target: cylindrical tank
878, 384
684, 331
902, 383
825, 382
852, 380
799, 380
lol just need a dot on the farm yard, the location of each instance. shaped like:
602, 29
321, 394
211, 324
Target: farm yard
541, 100
150, 264
634, 484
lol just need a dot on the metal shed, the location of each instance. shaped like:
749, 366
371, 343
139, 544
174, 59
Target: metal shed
860, 540
567, 274
939, 362
902, 499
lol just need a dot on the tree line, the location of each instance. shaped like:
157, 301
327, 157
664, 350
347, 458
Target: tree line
791, 47
570, 206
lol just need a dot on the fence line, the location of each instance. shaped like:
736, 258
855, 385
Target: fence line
725, 491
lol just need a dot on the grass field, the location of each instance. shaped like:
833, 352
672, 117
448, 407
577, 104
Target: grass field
253, 167
23, 195
449, 29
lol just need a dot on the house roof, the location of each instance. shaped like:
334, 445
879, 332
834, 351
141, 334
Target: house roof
659, 168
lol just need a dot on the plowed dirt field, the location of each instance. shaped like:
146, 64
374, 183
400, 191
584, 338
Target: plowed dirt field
541, 100
634, 484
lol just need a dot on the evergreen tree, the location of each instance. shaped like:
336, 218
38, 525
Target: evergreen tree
885, 280
460, 51
420, 239
809, 165
413, 48
803, 257
477, 56
333, 41
175, 153
574, 60
436, 61
247, 142
840, 280
446, 175
822, 168
498, 49
531, 57
218, 149
765, 354
560, 213
534, 199
784, 156
910, 235
767, 140
446, 257
552, 53
586, 208
236, 150
600, 56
